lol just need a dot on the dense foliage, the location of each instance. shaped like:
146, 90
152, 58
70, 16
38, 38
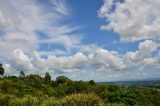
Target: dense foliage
34, 90
1, 69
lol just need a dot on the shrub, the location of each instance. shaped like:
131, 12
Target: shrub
82, 100
16, 102
115, 104
51, 102
5, 99
76, 87
6, 85
26, 101
30, 101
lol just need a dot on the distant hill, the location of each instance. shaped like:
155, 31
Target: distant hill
153, 83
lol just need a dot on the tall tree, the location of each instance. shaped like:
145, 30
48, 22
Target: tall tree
22, 74
1, 69
47, 78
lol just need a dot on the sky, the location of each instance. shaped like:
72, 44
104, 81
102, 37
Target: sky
103, 40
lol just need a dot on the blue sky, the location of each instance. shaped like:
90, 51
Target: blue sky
84, 13
104, 40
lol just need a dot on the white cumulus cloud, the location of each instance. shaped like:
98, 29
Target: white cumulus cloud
100, 60
133, 19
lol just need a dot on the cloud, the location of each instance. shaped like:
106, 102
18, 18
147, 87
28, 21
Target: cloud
98, 62
35, 64
27, 25
143, 57
21, 62
61, 7
69, 42
134, 20
148, 46
104, 60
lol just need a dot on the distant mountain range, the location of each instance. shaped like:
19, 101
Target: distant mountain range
152, 82
132, 80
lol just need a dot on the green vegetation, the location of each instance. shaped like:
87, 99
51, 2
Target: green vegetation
34, 90
1, 70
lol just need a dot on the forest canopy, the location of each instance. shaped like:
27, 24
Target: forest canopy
34, 90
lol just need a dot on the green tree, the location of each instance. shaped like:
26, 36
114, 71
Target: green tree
1, 69
62, 79
92, 82
47, 78
22, 74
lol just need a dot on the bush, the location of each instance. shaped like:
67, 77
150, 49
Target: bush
51, 102
76, 87
30, 101
82, 100
6, 85
16, 102
5, 99
26, 101
115, 104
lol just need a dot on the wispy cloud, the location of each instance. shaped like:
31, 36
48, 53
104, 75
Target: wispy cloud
20, 20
